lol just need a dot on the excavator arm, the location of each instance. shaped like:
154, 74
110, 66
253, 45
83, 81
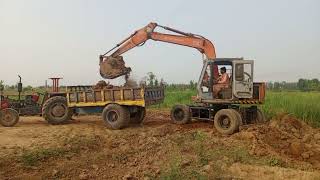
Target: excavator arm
112, 66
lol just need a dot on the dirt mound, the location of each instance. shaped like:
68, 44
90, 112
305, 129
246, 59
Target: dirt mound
113, 67
158, 149
103, 85
245, 171
284, 136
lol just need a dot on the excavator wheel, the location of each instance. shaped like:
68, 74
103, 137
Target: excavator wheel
226, 121
180, 114
8, 117
260, 117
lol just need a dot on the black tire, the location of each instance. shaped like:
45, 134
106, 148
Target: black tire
239, 116
138, 117
260, 117
9, 117
180, 114
70, 114
116, 116
55, 110
226, 121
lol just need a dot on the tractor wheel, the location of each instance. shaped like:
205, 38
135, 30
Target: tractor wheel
116, 116
260, 117
138, 117
180, 114
9, 117
226, 121
55, 110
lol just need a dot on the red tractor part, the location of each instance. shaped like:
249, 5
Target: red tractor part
55, 84
4, 104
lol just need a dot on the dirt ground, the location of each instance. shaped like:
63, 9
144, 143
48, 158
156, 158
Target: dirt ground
284, 148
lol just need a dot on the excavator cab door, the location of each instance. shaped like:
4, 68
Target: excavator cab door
206, 81
242, 86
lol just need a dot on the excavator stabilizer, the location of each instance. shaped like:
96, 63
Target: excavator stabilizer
113, 67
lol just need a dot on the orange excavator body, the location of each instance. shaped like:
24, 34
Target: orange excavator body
113, 66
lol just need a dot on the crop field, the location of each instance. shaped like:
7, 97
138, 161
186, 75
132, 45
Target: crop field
303, 105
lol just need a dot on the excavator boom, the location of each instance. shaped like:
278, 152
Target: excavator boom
113, 66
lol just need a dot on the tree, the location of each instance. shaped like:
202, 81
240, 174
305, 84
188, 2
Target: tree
28, 88
156, 82
270, 85
192, 84
314, 84
151, 78
162, 83
302, 84
276, 85
1, 85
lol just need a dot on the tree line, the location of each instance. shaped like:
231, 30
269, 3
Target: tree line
301, 84
151, 80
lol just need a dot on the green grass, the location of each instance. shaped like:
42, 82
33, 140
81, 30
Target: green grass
32, 158
304, 105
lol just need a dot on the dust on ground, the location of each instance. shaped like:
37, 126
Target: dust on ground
284, 148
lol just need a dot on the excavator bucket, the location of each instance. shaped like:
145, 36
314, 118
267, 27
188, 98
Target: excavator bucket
113, 67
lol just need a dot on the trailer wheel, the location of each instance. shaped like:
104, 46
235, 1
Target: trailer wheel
260, 117
70, 114
8, 117
116, 116
138, 117
55, 110
226, 121
180, 114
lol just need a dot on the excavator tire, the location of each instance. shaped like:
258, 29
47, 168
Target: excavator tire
180, 114
55, 110
116, 116
239, 116
226, 121
260, 117
9, 117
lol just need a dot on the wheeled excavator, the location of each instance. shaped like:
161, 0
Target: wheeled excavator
236, 104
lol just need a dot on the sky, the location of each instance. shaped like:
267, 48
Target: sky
44, 38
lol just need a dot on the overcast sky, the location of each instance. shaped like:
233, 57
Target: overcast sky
48, 38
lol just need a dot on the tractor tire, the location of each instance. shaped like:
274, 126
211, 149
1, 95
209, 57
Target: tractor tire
226, 121
138, 117
180, 114
9, 117
260, 117
116, 116
55, 110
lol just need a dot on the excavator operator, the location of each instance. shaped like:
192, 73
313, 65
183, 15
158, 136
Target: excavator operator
221, 83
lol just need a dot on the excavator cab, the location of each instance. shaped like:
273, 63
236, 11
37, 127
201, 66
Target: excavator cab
239, 86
